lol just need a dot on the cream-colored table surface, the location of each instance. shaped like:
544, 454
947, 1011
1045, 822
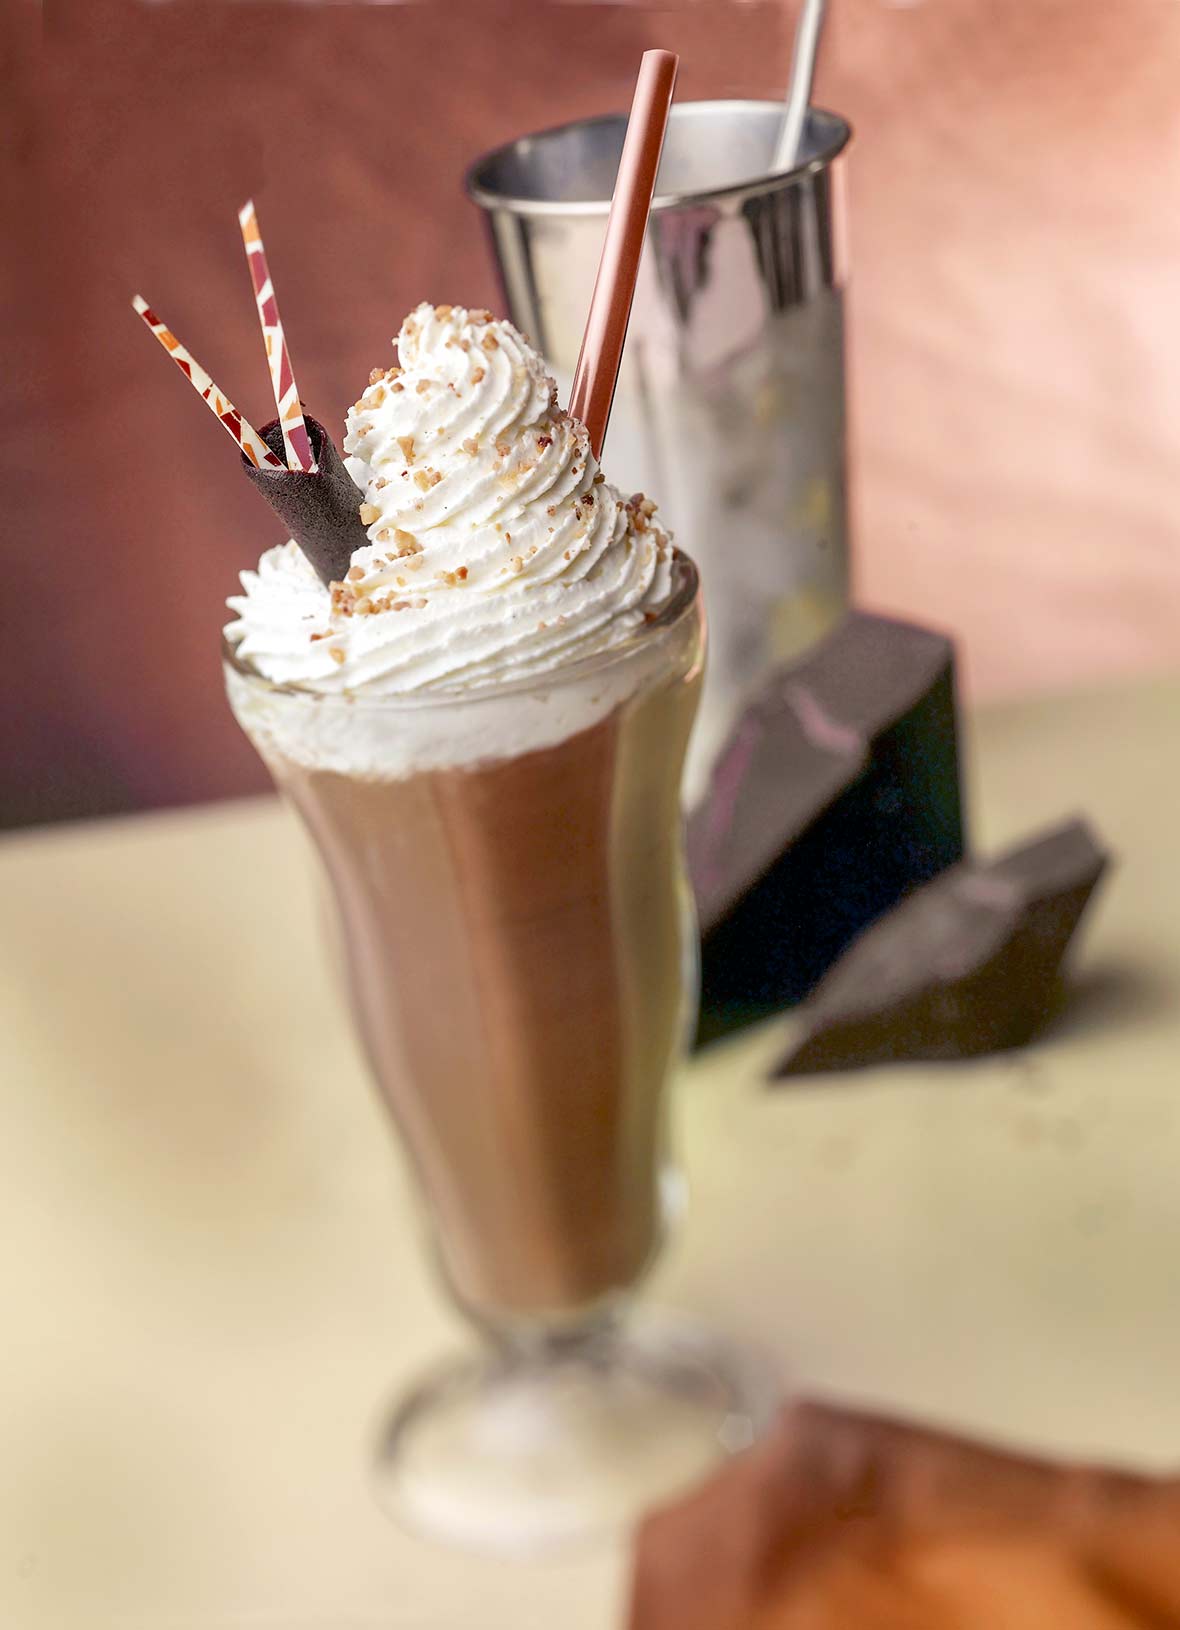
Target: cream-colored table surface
211, 1281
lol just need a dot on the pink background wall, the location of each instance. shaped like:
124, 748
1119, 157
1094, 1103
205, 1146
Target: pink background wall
1015, 339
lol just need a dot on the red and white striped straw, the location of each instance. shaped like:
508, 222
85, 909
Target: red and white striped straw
247, 438
614, 288
282, 378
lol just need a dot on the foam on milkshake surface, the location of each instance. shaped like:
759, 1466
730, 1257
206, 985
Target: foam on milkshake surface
496, 550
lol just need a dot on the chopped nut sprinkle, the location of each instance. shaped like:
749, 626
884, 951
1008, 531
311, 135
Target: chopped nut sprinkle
336, 653
490, 343
443, 311
406, 443
503, 448
424, 385
407, 543
517, 563
477, 375
397, 385
544, 441
375, 375
355, 573
471, 446
427, 478
480, 316
369, 513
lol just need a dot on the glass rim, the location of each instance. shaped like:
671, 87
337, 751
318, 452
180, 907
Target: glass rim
492, 198
680, 604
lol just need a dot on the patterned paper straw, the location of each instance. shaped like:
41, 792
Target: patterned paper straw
247, 438
282, 378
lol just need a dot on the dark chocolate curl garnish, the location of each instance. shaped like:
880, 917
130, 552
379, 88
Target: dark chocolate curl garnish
837, 794
321, 511
969, 964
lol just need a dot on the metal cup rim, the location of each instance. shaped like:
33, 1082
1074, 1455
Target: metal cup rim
490, 198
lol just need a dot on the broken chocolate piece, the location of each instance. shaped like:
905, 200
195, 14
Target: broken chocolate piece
320, 511
967, 965
837, 794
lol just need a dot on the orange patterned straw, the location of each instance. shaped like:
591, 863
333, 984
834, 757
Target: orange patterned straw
614, 288
282, 378
247, 438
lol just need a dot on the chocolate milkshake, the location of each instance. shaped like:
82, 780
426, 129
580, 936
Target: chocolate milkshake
483, 726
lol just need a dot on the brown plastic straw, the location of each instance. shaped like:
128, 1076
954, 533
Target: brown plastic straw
614, 287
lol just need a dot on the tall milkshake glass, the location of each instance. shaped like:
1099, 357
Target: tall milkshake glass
508, 871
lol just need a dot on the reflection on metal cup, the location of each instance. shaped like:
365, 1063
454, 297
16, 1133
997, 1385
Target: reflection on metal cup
730, 404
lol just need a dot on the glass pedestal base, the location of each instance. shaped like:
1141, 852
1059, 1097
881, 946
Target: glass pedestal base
524, 1449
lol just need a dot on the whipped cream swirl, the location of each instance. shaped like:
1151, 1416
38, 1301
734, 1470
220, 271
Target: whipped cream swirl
496, 549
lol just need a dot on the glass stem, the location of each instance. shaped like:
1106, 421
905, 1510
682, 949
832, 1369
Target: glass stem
588, 1337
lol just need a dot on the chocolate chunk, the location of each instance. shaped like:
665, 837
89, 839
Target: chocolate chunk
968, 964
321, 511
837, 794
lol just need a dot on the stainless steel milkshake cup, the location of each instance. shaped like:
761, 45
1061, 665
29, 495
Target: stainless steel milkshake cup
730, 404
